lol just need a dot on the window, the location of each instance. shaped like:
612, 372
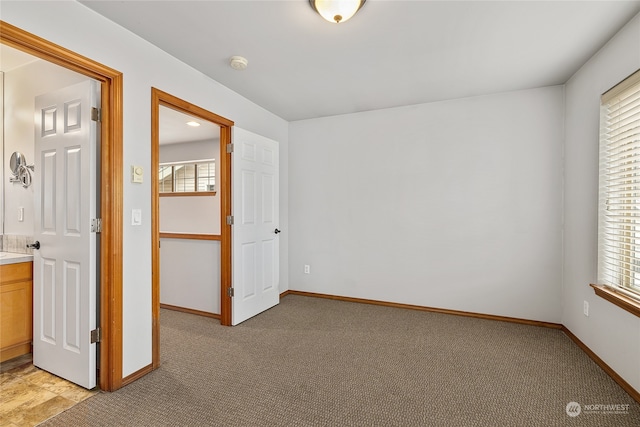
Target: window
187, 177
206, 174
619, 198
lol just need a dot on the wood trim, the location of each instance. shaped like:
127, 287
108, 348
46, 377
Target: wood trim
137, 375
225, 229
111, 195
622, 301
16, 350
284, 294
620, 88
430, 309
186, 107
51, 52
158, 98
189, 194
613, 374
112, 184
190, 311
155, 229
189, 236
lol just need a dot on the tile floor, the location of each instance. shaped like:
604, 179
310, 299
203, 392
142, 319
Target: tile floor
29, 396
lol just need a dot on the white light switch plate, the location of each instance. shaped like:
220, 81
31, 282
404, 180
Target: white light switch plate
136, 217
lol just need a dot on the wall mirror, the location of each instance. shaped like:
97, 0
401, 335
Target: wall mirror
12, 59
20, 169
23, 77
1, 151
16, 162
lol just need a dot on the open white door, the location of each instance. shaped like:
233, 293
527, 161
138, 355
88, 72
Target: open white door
64, 277
255, 261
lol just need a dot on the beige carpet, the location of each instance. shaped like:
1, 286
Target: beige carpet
316, 362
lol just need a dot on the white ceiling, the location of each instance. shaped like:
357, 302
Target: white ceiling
174, 129
391, 53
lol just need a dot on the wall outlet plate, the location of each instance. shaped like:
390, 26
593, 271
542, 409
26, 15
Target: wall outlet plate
585, 308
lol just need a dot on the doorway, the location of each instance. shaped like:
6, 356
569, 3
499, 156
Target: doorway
189, 214
111, 200
160, 99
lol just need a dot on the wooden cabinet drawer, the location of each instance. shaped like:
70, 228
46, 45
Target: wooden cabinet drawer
16, 272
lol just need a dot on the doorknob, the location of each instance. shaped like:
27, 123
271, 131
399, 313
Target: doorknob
277, 231
35, 245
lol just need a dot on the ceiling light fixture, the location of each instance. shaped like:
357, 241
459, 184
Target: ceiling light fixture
194, 124
238, 62
336, 11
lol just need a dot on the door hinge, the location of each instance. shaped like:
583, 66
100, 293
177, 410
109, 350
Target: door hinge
229, 219
229, 148
96, 114
230, 292
96, 334
96, 225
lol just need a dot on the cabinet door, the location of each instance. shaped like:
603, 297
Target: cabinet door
16, 313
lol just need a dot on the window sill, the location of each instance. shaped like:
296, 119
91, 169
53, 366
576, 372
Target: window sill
189, 236
188, 194
618, 299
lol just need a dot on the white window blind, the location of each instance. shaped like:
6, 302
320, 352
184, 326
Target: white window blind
619, 198
187, 177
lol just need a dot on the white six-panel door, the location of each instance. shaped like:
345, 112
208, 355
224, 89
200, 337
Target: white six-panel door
255, 262
64, 288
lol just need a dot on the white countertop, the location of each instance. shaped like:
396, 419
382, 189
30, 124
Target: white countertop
13, 258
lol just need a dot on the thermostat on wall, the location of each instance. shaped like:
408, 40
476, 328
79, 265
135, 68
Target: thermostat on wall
136, 174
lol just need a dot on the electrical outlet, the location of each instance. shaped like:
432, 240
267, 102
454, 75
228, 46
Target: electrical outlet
307, 269
586, 308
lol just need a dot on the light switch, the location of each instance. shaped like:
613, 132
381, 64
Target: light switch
136, 217
20, 214
137, 173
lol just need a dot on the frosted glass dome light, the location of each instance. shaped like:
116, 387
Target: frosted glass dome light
336, 11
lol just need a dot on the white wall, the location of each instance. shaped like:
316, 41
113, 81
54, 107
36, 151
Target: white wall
192, 150
452, 204
190, 274
81, 30
187, 214
612, 333
22, 85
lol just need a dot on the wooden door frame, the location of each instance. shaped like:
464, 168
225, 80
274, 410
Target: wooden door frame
223, 184
111, 192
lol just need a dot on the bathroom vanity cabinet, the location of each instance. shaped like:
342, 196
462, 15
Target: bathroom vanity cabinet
16, 309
